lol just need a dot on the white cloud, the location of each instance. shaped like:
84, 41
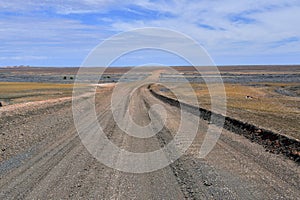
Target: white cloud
224, 27
271, 21
23, 58
26, 39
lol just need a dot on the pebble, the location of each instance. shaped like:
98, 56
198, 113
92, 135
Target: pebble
206, 183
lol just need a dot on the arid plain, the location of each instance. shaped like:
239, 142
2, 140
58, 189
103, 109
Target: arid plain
257, 155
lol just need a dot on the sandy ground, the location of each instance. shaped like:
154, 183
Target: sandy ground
42, 157
25, 107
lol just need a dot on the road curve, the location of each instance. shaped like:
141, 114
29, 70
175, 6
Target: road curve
53, 162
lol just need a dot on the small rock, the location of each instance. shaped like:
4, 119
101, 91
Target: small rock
258, 131
1, 104
3, 149
206, 183
175, 173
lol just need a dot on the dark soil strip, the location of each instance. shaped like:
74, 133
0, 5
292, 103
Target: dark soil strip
289, 91
272, 142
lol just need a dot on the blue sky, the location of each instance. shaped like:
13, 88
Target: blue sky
62, 33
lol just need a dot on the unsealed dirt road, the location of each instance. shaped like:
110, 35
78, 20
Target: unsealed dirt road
43, 157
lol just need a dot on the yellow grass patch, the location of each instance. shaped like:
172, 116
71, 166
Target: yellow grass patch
17, 92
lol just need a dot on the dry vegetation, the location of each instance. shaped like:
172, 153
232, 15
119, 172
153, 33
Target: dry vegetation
258, 104
15, 92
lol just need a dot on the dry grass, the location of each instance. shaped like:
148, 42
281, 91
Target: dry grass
15, 92
266, 108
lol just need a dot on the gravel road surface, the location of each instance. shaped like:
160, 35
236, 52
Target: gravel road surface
42, 157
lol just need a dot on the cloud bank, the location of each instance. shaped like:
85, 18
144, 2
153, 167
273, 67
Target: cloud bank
61, 33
